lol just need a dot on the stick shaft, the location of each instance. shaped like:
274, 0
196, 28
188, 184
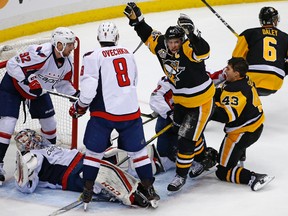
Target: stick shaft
219, 17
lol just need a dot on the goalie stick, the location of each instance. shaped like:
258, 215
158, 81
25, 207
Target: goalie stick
219, 17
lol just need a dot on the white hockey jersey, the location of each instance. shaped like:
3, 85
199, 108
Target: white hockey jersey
161, 100
53, 168
108, 83
40, 60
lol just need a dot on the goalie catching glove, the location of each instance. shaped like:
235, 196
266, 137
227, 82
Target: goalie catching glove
133, 12
25, 166
78, 109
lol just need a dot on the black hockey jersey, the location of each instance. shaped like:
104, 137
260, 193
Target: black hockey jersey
265, 49
190, 84
238, 105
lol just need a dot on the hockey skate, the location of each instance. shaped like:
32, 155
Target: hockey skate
258, 181
146, 196
204, 167
196, 169
2, 174
176, 184
87, 194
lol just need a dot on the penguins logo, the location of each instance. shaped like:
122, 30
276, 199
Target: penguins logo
172, 70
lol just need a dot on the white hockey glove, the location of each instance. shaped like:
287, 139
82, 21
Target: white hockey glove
25, 166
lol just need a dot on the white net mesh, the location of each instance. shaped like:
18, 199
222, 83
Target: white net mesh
61, 105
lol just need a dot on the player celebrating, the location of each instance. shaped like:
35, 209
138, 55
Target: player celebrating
265, 49
108, 86
182, 60
161, 102
47, 66
239, 106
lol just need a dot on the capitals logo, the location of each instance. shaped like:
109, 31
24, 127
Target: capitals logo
172, 70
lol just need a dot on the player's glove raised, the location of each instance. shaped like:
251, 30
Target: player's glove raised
77, 109
34, 86
133, 12
187, 25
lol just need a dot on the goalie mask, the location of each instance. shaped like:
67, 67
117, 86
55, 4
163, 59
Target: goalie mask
269, 16
27, 140
62, 35
108, 32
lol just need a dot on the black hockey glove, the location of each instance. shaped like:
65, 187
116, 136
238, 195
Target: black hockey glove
133, 12
188, 26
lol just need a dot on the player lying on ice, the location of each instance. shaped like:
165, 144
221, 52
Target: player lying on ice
41, 164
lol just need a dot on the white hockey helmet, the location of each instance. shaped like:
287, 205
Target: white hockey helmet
28, 139
108, 32
63, 35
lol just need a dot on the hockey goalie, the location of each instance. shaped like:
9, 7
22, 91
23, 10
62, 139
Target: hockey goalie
41, 164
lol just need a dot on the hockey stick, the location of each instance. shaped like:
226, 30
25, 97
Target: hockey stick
139, 45
222, 20
72, 98
151, 117
148, 142
80, 202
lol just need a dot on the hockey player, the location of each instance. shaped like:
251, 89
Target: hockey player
161, 102
265, 49
41, 164
108, 86
239, 106
182, 60
47, 66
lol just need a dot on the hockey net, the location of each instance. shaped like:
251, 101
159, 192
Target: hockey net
67, 128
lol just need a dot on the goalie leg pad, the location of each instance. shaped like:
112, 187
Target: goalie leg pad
117, 182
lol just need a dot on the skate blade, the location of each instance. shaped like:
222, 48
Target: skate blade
1, 183
154, 203
259, 186
85, 206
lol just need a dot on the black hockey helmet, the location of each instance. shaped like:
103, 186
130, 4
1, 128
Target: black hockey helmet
268, 16
174, 32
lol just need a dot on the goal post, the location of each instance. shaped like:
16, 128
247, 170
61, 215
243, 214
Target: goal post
67, 127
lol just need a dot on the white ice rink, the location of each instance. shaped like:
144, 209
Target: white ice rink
207, 196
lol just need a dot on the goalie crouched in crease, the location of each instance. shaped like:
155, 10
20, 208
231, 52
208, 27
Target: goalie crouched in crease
41, 164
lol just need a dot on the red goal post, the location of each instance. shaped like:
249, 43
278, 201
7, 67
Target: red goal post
67, 128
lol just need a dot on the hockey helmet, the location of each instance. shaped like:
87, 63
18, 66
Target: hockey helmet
108, 32
28, 139
63, 35
268, 16
174, 32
